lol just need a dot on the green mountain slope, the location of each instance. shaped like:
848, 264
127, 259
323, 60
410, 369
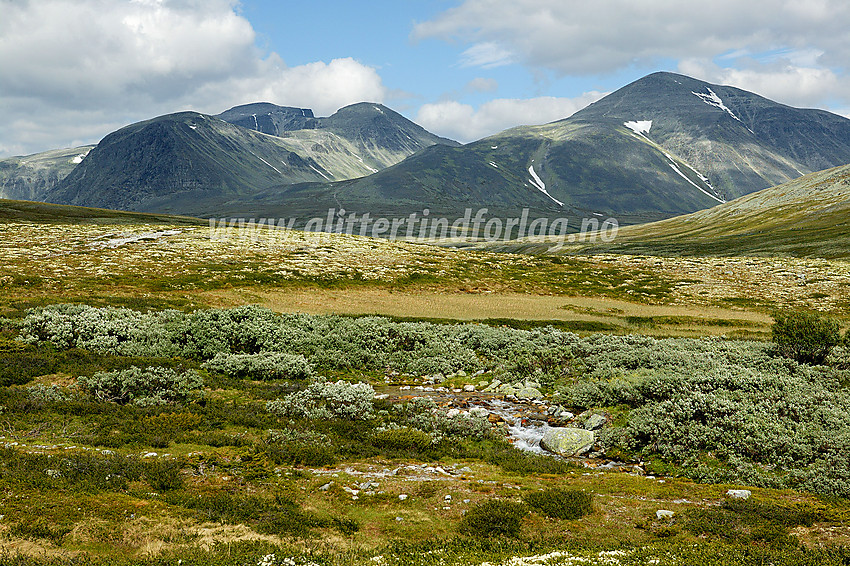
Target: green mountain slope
806, 217
30, 177
180, 163
662, 146
28, 211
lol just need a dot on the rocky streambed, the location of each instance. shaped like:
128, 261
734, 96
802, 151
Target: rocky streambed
531, 422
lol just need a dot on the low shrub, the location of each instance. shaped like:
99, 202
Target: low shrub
40, 528
164, 475
262, 366
560, 503
300, 454
327, 400
494, 517
142, 387
403, 438
805, 337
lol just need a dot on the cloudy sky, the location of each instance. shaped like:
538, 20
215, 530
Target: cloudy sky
71, 71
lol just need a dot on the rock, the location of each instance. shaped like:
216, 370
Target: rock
595, 422
469, 388
402, 497
479, 411
529, 393
739, 493
507, 390
532, 384
566, 415
568, 441
664, 514
326, 487
452, 413
439, 378
494, 418
447, 498
461, 373
483, 383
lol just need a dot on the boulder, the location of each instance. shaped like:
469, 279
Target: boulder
568, 441
529, 393
664, 514
739, 493
595, 422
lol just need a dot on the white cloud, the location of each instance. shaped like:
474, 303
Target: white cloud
606, 35
782, 82
465, 123
487, 55
75, 69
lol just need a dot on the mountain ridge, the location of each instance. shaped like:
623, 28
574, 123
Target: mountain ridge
170, 162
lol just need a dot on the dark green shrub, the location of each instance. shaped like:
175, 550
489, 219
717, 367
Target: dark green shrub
164, 475
300, 454
402, 439
345, 526
494, 518
40, 528
560, 503
805, 337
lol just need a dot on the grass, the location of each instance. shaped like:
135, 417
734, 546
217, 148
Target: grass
226, 494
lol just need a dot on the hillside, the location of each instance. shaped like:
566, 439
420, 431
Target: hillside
806, 217
30, 177
179, 162
662, 146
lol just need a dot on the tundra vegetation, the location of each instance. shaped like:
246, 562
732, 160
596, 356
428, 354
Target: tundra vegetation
158, 427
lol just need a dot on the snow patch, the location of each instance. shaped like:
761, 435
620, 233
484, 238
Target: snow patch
378, 108
266, 162
672, 164
360, 159
494, 147
494, 165
639, 127
79, 158
713, 100
540, 185
131, 238
256, 124
319, 172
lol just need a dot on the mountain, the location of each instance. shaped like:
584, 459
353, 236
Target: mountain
806, 217
179, 162
31, 177
661, 146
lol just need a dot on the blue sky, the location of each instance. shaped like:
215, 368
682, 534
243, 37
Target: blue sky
75, 70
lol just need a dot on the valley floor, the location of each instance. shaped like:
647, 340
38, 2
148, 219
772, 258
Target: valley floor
219, 475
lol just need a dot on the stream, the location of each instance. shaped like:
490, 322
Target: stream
526, 422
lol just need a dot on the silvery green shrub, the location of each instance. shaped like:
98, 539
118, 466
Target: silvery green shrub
262, 366
111, 330
769, 421
142, 387
43, 393
327, 400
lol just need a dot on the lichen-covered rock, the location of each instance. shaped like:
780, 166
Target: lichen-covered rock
568, 441
595, 422
529, 393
